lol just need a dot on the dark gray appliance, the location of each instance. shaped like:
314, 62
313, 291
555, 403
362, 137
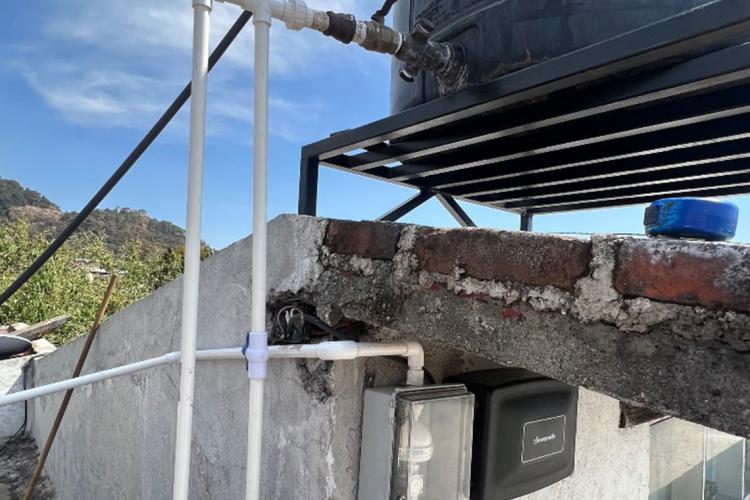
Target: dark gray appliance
501, 36
524, 432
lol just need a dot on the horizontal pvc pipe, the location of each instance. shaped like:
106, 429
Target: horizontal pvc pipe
72, 383
328, 351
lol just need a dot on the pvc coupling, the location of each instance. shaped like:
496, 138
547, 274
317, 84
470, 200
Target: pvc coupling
255, 351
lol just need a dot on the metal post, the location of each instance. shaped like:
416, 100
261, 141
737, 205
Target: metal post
308, 185
527, 221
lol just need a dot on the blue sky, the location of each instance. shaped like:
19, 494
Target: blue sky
83, 80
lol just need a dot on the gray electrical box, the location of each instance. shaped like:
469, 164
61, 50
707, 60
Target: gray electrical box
416, 443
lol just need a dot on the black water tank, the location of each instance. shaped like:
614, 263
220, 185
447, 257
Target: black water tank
501, 36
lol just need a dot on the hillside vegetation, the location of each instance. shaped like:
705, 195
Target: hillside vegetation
117, 226
145, 252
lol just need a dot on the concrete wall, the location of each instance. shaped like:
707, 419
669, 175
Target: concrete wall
117, 439
611, 463
11, 380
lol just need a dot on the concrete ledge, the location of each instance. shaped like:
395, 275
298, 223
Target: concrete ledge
558, 306
712, 275
657, 323
526, 258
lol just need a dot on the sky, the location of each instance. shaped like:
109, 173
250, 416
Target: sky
82, 81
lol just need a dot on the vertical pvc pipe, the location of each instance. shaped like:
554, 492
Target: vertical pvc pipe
258, 345
190, 280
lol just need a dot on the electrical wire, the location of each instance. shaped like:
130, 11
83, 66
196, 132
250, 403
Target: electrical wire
125, 166
287, 314
325, 327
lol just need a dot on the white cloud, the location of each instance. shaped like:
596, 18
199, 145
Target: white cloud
119, 63
94, 96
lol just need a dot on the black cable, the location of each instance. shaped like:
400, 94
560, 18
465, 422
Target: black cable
321, 325
379, 16
142, 146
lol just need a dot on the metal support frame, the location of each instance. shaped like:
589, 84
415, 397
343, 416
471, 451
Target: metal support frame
527, 221
406, 207
576, 132
308, 185
455, 210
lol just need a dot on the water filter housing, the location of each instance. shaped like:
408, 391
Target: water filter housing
524, 432
416, 443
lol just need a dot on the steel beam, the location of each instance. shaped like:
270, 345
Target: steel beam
631, 153
630, 171
625, 195
527, 221
455, 210
406, 207
308, 185
525, 142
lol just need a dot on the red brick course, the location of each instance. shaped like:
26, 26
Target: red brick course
374, 240
711, 275
526, 258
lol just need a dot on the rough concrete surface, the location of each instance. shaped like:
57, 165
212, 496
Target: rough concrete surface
18, 458
118, 437
12, 379
681, 360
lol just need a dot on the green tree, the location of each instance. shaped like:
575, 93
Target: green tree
73, 281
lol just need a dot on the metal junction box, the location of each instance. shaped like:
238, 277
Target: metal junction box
524, 432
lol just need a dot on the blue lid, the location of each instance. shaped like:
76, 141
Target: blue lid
701, 218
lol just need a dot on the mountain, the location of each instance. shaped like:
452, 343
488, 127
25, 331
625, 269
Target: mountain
118, 225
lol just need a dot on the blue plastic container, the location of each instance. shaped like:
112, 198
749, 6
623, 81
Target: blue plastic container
699, 218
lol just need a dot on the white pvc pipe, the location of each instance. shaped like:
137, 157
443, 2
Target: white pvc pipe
72, 383
254, 439
329, 351
190, 280
258, 341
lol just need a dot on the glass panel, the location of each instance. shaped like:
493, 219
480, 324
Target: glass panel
692, 462
676, 469
433, 448
724, 466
